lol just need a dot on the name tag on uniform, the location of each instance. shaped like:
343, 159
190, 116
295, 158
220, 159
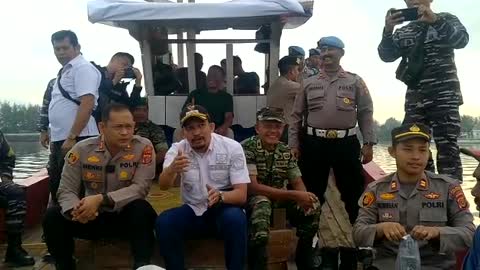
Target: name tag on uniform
385, 205
438, 204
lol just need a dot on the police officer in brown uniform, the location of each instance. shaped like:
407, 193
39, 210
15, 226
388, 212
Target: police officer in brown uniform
285, 88
431, 208
330, 106
114, 171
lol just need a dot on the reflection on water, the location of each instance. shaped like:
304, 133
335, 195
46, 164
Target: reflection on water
31, 157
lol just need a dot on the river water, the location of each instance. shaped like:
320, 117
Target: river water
31, 157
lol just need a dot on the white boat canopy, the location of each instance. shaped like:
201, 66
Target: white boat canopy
152, 22
235, 14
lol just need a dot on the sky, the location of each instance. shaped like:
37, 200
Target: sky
29, 62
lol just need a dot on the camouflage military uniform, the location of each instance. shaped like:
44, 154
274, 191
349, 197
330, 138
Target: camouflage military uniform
154, 133
12, 195
436, 98
275, 169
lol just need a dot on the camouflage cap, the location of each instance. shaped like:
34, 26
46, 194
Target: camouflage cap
196, 111
270, 114
410, 131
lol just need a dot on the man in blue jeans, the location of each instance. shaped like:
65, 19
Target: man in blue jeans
214, 180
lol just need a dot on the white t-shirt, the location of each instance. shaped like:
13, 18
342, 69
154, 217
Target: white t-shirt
222, 166
79, 78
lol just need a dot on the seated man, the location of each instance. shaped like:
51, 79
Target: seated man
472, 260
12, 198
245, 83
200, 77
214, 180
431, 208
271, 168
147, 129
114, 171
215, 100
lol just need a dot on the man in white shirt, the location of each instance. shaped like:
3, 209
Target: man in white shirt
74, 97
214, 178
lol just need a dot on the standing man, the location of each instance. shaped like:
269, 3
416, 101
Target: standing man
114, 171
431, 208
77, 81
43, 122
271, 168
12, 198
283, 90
112, 88
332, 103
434, 96
312, 63
147, 129
214, 180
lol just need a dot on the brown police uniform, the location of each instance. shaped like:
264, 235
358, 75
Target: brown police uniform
124, 181
281, 94
331, 107
436, 200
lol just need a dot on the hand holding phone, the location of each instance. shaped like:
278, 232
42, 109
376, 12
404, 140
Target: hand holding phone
392, 19
408, 14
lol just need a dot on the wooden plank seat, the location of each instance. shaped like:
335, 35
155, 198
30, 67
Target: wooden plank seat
203, 253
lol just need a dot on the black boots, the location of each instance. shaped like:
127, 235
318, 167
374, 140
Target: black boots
329, 259
16, 255
257, 257
304, 254
348, 258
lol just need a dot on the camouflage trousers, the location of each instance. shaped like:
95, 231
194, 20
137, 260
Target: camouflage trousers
12, 198
444, 120
259, 210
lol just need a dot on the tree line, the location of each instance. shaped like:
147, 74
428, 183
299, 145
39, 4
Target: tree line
23, 118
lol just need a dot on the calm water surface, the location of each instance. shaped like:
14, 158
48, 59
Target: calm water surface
31, 157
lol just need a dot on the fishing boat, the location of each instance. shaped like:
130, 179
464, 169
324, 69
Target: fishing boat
158, 26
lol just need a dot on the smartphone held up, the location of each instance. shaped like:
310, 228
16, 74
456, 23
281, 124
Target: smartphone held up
408, 14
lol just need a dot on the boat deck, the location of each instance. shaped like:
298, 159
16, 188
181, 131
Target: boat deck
335, 230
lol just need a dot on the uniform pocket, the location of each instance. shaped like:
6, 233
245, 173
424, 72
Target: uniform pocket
93, 180
219, 175
316, 98
436, 217
345, 101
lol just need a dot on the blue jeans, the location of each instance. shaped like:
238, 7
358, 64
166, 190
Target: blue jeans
227, 222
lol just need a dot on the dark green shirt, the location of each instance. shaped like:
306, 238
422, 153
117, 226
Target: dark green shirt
217, 104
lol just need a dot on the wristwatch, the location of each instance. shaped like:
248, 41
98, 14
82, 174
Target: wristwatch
369, 143
105, 200
220, 198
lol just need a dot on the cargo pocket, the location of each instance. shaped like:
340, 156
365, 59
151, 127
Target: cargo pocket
93, 180
316, 98
345, 101
433, 217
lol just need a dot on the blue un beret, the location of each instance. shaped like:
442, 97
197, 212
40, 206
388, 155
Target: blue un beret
331, 42
296, 51
314, 52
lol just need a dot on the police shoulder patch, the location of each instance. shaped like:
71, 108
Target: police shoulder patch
72, 157
368, 199
147, 154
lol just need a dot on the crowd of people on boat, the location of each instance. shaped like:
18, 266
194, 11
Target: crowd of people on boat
105, 153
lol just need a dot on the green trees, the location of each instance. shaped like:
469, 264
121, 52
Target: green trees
18, 118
